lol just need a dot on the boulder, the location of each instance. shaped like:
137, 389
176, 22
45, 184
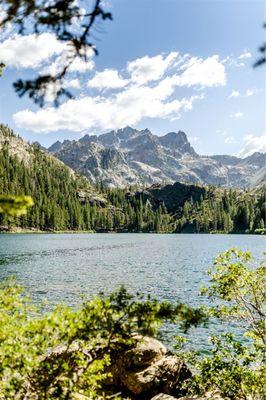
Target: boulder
148, 369
166, 374
146, 351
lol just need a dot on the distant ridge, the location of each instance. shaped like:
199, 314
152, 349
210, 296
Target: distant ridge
129, 156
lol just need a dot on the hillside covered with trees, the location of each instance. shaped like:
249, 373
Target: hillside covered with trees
65, 201
62, 199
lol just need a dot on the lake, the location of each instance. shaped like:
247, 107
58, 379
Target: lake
60, 267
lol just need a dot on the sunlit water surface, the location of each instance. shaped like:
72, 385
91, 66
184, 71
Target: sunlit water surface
62, 267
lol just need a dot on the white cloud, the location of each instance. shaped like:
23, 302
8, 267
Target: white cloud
125, 108
238, 62
249, 93
234, 93
78, 65
246, 54
51, 91
205, 73
44, 52
72, 83
138, 95
229, 140
146, 69
195, 72
252, 144
238, 114
54, 87
29, 51
109, 78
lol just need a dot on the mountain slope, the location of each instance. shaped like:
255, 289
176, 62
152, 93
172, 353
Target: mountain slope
62, 200
244, 172
66, 201
129, 156
196, 208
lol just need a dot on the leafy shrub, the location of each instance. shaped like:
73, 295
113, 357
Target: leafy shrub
236, 365
66, 351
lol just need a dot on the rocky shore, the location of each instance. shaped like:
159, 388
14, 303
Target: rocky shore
149, 371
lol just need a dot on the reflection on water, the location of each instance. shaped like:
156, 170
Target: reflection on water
63, 266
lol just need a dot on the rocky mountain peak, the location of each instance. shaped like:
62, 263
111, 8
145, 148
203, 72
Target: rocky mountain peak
145, 131
177, 141
88, 139
126, 133
130, 156
55, 147
178, 138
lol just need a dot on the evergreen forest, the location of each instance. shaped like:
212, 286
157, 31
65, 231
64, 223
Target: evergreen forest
64, 201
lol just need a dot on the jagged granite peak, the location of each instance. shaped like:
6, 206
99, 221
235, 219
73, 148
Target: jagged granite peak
121, 137
110, 139
55, 147
177, 141
88, 138
129, 156
127, 132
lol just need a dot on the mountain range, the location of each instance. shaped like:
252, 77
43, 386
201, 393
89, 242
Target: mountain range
129, 156
64, 200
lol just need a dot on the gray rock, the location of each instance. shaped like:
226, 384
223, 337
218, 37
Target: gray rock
166, 374
55, 147
146, 351
129, 156
148, 369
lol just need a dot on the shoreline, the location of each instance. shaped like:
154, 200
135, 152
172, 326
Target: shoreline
36, 231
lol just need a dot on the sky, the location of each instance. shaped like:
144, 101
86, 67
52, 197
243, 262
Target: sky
165, 65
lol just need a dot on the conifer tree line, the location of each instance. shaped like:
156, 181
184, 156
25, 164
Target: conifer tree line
219, 210
222, 210
59, 205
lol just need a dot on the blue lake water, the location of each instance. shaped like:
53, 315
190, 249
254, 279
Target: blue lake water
60, 267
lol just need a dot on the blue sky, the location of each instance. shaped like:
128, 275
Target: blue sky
167, 65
